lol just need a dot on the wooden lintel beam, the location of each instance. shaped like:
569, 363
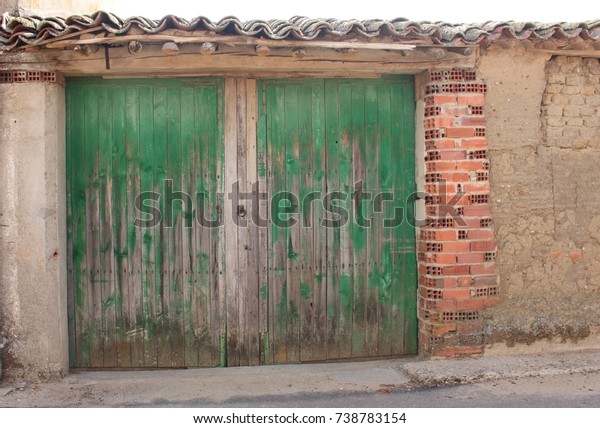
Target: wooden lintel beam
234, 41
567, 52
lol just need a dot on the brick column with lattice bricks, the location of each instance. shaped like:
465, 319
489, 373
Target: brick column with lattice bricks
456, 246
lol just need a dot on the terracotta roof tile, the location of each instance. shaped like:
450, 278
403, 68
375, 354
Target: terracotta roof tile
30, 30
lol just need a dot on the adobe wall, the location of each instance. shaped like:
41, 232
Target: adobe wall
54, 7
543, 122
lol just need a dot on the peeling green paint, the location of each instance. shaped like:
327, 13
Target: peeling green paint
346, 290
264, 291
203, 262
305, 291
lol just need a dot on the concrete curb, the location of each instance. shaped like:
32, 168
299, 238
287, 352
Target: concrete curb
433, 373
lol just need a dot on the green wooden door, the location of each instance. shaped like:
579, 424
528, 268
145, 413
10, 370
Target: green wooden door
148, 282
337, 158
146, 295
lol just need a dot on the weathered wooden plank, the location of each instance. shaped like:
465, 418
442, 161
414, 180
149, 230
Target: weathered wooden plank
263, 229
148, 234
397, 231
94, 291
198, 340
357, 229
292, 246
252, 252
107, 255
319, 232
384, 271
231, 232
161, 287
241, 224
197, 335
409, 269
345, 186
174, 232
78, 221
119, 217
187, 174
207, 102
371, 184
279, 235
135, 329
333, 141
304, 147
215, 165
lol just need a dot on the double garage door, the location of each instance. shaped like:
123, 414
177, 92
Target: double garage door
240, 222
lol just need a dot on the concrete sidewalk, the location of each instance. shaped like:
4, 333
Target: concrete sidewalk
143, 388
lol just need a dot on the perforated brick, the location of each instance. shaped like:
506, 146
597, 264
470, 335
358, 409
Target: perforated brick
432, 89
34, 76
490, 291
480, 132
455, 316
430, 282
436, 76
455, 74
476, 110
477, 154
435, 340
478, 199
432, 111
434, 177
432, 200
439, 222
6, 76
433, 247
434, 294
49, 76
431, 134
434, 270
23, 76
482, 176
452, 87
433, 156
476, 88
485, 222
19, 76
462, 234
469, 75
490, 256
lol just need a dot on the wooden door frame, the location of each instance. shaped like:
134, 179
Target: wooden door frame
246, 338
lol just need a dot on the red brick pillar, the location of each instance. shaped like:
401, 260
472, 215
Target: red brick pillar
456, 249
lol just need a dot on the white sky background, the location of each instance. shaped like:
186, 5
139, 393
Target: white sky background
452, 11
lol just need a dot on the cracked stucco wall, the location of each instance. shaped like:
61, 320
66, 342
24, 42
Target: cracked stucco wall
33, 313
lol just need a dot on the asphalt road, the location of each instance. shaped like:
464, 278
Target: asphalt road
572, 391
